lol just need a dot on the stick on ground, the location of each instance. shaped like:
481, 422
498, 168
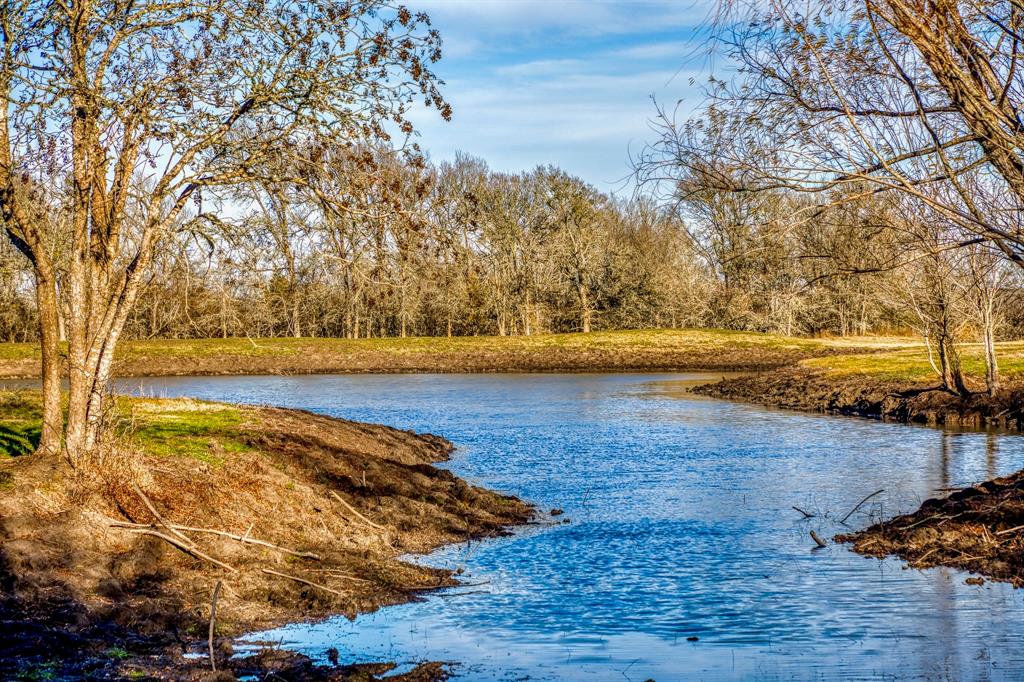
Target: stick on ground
352, 509
191, 551
213, 619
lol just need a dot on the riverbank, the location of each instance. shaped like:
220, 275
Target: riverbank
110, 570
896, 385
617, 351
979, 528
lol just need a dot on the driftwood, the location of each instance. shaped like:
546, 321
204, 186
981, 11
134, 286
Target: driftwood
807, 515
213, 619
850, 513
303, 581
160, 519
817, 539
191, 551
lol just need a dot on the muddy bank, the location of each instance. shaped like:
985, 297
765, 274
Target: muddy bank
798, 388
109, 571
978, 529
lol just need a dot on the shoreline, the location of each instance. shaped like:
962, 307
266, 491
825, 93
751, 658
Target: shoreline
306, 517
978, 529
800, 389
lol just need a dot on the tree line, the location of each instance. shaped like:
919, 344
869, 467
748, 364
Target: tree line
389, 245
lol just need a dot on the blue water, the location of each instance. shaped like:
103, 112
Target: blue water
681, 526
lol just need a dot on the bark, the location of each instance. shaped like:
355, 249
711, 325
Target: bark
49, 334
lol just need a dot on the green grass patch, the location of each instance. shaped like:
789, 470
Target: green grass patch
20, 423
167, 428
187, 428
912, 365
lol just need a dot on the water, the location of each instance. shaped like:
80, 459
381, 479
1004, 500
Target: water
681, 527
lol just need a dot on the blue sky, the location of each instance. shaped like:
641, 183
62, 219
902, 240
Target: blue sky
566, 82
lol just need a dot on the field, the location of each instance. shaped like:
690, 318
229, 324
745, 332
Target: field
688, 349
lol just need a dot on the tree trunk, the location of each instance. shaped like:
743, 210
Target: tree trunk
49, 335
991, 364
585, 305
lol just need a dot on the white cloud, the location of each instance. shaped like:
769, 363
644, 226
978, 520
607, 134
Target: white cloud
565, 82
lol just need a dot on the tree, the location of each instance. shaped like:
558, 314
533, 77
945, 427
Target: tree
135, 113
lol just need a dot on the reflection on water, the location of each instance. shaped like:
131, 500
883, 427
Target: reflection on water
682, 526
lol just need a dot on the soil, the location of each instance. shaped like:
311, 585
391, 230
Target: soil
797, 388
87, 595
977, 529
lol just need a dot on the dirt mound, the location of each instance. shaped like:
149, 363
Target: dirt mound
978, 529
297, 515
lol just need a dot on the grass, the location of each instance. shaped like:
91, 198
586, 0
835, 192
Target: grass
184, 428
193, 429
20, 424
681, 340
911, 365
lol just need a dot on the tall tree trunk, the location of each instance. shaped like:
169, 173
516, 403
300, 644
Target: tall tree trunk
991, 364
49, 335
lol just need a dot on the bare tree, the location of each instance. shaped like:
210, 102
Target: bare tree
139, 111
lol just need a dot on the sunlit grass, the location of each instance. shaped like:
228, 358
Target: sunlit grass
685, 340
912, 365
194, 429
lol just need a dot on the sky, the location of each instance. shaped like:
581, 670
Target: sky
563, 82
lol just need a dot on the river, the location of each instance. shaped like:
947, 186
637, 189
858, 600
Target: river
683, 557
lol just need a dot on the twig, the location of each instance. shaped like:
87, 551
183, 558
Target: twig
304, 581
352, 509
191, 551
807, 515
213, 618
245, 539
160, 519
817, 539
850, 513
1010, 530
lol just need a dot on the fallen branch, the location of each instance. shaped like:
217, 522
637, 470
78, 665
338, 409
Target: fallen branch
191, 551
850, 513
160, 519
352, 509
213, 618
245, 539
304, 582
807, 515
